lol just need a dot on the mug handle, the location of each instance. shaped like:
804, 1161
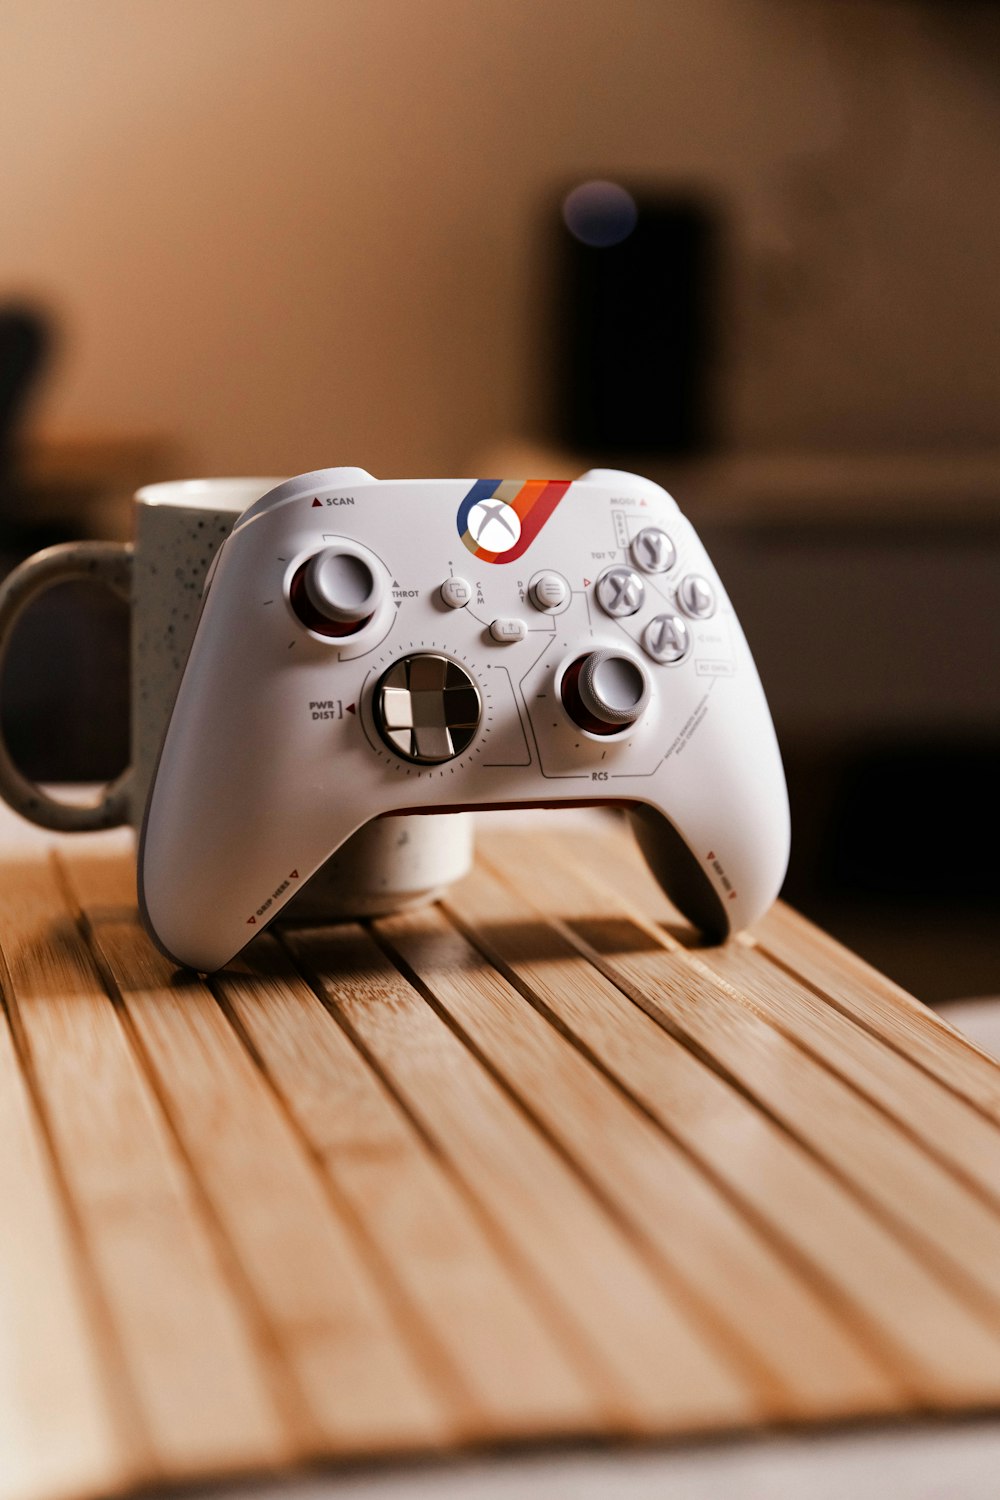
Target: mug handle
109, 563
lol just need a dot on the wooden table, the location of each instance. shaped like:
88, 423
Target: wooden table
527, 1166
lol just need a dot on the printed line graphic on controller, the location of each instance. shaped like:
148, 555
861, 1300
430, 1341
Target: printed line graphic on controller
472, 643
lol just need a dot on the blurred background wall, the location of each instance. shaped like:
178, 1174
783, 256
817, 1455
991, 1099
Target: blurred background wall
290, 233
274, 235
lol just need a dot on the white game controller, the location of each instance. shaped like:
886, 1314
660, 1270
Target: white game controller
371, 647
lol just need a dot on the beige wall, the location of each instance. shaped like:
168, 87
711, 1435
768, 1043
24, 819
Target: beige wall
296, 233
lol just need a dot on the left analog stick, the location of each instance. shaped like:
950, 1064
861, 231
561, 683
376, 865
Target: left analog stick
334, 592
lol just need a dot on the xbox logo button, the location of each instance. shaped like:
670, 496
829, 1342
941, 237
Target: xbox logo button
494, 525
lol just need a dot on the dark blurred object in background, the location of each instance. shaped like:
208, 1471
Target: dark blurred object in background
636, 290
64, 690
25, 344
916, 821
64, 687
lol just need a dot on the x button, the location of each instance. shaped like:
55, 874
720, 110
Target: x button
620, 592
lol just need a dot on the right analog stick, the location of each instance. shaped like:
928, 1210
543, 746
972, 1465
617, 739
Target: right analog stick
605, 692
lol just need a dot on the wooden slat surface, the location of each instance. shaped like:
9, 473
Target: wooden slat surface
527, 1164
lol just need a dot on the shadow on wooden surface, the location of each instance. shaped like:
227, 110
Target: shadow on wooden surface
526, 1166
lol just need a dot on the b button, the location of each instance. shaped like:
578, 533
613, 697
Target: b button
695, 597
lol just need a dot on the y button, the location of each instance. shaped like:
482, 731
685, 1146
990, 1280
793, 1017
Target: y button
653, 550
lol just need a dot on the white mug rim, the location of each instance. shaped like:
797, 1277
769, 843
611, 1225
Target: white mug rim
229, 494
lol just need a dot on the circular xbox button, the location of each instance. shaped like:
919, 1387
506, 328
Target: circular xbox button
427, 708
695, 597
620, 592
666, 639
493, 525
548, 591
653, 551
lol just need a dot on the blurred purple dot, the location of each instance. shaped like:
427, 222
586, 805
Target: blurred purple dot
599, 213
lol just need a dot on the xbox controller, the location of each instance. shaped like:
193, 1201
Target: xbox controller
369, 647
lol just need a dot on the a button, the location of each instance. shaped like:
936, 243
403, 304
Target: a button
508, 630
695, 597
620, 592
652, 550
666, 638
427, 708
605, 692
548, 591
335, 592
456, 593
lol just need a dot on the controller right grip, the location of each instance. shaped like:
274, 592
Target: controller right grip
680, 873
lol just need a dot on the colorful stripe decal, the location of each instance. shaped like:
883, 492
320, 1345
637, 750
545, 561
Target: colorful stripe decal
485, 519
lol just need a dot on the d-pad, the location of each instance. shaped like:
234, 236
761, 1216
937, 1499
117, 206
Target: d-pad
427, 708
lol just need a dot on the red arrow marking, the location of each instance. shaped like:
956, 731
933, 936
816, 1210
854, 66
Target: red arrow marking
315, 503
732, 895
352, 708
710, 855
586, 583
251, 921
294, 875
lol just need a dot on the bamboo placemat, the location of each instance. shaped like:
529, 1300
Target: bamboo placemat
527, 1165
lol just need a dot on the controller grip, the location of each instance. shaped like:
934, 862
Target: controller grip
680, 873
722, 851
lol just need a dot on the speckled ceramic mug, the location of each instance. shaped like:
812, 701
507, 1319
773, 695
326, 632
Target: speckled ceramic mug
178, 527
